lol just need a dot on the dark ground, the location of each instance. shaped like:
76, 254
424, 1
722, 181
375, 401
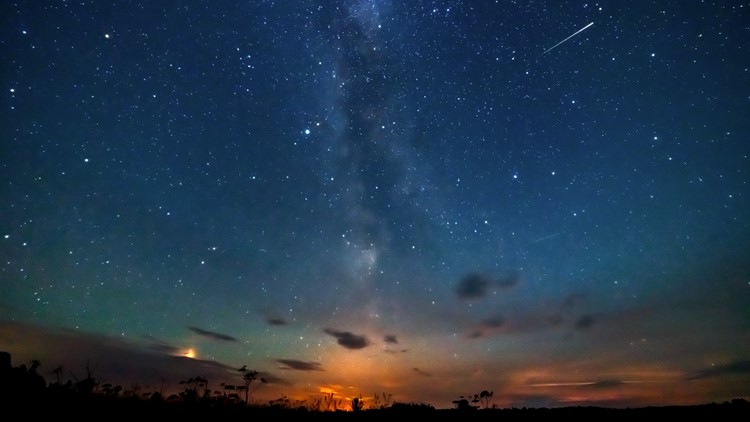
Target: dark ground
102, 408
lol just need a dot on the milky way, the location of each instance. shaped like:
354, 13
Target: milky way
365, 197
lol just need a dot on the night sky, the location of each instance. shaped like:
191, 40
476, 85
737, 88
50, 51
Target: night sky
425, 199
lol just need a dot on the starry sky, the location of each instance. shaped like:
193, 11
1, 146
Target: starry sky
423, 199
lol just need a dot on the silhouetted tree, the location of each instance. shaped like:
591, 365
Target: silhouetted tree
248, 377
463, 404
485, 397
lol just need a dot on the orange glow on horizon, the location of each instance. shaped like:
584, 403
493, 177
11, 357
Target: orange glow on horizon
189, 353
327, 390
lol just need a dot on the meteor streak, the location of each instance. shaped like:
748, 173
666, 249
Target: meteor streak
574, 34
549, 236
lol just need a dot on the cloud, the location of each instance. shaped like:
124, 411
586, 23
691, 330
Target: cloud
299, 365
731, 368
390, 339
476, 334
552, 314
602, 384
421, 372
476, 286
585, 322
118, 360
473, 286
161, 346
276, 321
494, 323
487, 326
348, 340
212, 335
273, 379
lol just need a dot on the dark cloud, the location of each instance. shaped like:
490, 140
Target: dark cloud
519, 322
119, 360
161, 346
473, 286
476, 286
299, 365
212, 335
276, 321
348, 340
396, 351
165, 348
421, 372
272, 379
475, 334
555, 314
731, 368
585, 322
494, 323
487, 326
390, 339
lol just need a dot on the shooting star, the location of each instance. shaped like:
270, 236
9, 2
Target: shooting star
550, 236
574, 34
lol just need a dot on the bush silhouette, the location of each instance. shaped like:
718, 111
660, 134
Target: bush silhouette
20, 381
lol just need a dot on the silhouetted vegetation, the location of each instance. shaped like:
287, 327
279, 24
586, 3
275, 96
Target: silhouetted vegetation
248, 377
23, 389
475, 401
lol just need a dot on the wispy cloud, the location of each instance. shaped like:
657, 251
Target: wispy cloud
276, 321
211, 334
390, 339
299, 365
161, 346
421, 372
